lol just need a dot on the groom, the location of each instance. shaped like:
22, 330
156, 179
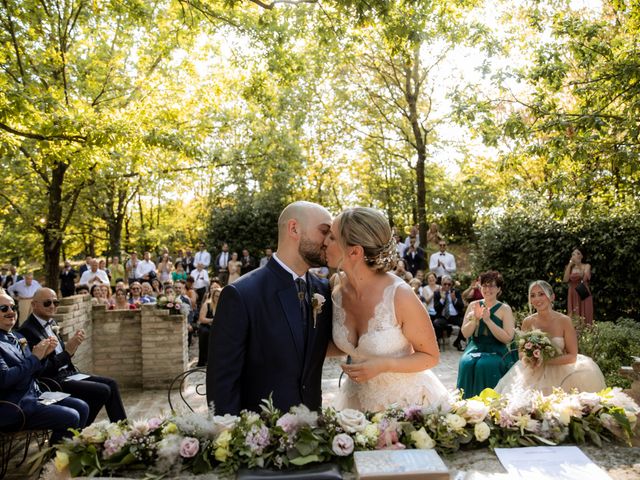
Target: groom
269, 336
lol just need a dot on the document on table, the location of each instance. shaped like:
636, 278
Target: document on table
48, 398
559, 463
77, 376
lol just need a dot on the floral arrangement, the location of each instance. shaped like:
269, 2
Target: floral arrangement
174, 305
536, 347
200, 443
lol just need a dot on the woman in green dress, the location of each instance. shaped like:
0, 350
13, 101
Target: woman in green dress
489, 328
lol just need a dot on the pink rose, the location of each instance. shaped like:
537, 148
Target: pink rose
154, 423
528, 345
189, 447
169, 305
342, 445
536, 353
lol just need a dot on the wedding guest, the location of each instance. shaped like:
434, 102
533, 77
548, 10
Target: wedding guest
268, 252
135, 294
94, 275
156, 287
442, 263
489, 328
117, 272
11, 278
97, 295
179, 274
147, 293
205, 320
221, 266
146, 269
449, 306
188, 260
248, 262
414, 256
102, 265
121, 301
19, 367
428, 292
568, 370
474, 292
95, 391
578, 275
234, 267
82, 290
68, 280
165, 267
131, 266
401, 271
200, 282
23, 291
86, 265
202, 257
433, 235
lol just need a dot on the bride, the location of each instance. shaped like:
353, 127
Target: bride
569, 370
377, 319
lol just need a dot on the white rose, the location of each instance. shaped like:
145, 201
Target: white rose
422, 439
456, 422
224, 423
342, 445
94, 433
353, 421
475, 411
481, 431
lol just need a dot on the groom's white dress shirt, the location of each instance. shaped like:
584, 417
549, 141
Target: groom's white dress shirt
294, 275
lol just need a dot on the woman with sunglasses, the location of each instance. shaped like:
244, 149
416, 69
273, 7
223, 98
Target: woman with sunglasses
567, 370
19, 392
489, 328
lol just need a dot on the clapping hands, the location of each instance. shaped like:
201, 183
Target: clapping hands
75, 341
44, 347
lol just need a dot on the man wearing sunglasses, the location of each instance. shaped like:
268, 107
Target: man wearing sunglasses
96, 391
20, 366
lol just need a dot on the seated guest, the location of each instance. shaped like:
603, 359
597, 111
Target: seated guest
121, 301
179, 273
401, 271
82, 290
567, 370
147, 293
474, 292
95, 391
19, 367
428, 292
98, 296
448, 305
156, 287
489, 327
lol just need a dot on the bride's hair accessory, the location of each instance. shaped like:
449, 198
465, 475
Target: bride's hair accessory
386, 258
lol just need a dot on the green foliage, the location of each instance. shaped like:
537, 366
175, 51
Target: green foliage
611, 345
251, 223
530, 245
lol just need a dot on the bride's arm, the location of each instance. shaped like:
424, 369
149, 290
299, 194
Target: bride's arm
417, 328
333, 351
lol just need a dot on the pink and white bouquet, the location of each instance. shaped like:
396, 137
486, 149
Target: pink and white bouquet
536, 347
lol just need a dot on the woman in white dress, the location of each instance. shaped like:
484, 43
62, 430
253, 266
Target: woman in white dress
568, 370
378, 320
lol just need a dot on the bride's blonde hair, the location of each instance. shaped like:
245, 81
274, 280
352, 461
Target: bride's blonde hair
368, 228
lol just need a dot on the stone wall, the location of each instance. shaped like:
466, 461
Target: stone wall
138, 348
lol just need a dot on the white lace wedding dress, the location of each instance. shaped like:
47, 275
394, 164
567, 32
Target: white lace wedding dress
384, 338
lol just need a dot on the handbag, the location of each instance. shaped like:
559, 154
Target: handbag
583, 291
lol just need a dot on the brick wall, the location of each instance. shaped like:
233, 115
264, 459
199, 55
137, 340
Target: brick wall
138, 348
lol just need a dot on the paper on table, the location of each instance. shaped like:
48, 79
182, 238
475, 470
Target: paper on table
48, 398
559, 463
77, 376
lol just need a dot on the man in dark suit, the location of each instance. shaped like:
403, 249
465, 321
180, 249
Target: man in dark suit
95, 391
414, 257
269, 338
20, 366
248, 262
12, 278
220, 265
449, 308
67, 280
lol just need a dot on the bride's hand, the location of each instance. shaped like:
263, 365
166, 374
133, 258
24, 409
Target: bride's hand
365, 371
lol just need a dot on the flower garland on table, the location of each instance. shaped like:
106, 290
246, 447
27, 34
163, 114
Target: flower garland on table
200, 443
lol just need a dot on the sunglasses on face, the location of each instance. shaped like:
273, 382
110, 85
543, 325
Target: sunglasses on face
6, 308
48, 303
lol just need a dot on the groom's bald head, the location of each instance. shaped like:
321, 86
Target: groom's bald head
302, 228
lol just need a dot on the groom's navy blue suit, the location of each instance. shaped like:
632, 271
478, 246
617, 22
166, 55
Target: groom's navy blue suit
257, 345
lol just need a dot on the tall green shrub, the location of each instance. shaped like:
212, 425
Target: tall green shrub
527, 246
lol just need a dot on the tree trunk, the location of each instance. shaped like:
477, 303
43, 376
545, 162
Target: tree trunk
52, 232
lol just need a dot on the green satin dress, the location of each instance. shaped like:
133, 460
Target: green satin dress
485, 360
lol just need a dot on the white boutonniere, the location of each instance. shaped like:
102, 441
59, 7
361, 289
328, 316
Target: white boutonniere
23, 343
316, 303
55, 329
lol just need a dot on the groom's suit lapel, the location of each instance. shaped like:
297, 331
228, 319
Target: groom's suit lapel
288, 298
